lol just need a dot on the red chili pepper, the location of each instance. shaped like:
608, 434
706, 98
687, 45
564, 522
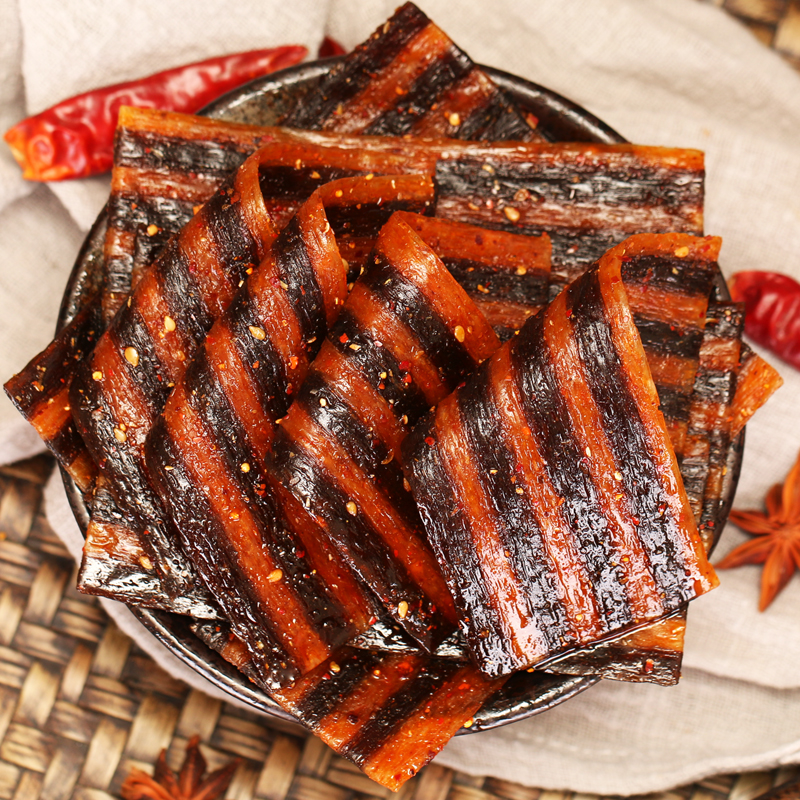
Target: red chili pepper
772, 311
75, 138
330, 47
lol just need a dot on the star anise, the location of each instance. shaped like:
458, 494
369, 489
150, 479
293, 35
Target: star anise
191, 783
777, 537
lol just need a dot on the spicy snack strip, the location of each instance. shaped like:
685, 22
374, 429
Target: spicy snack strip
505, 274
118, 391
409, 78
607, 193
561, 427
371, 202
669, 290
407, 336
283, 587
389, 713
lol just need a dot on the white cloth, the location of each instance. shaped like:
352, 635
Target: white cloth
668, 72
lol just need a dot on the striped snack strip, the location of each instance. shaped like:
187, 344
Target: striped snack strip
118, 391
589, 530
289, 598
377, 202
587, 197
389, 713
407, 336
116, 560
409, 78
505, 274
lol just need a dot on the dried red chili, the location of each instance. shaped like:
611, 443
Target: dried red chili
75, 138
330, 47
772, 311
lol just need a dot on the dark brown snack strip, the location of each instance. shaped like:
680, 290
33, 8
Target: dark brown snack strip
115, 565
40, 392
409, 78
561, 428
407, 336
288, 596
389, 713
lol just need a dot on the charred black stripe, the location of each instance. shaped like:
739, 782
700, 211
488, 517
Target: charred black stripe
439, 76
609, 384
694, 472
130, 330
450, 536
343, 84
147, 248
413, 309
574, 249
299, 280
233, 443
104, 506
133, 213
334, 687
207, 397
351, 221
499, 283
401, 705
88, 402
118, 270
663, 338
182, 294
498, 121
673, 402
715, 387
358, 541
638, 185
547, 413
226, 225
208, 548
338, 416
725, 321
519, 533
379, 367
154, 151
334, 413
666, 273
281, 182
262, 362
